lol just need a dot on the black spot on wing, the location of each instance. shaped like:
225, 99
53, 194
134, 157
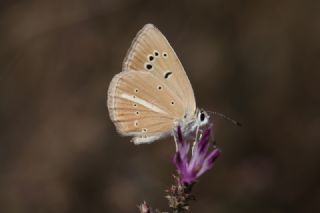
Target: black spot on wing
167, 75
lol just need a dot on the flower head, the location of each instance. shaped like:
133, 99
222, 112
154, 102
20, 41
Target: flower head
144, 207
200, 161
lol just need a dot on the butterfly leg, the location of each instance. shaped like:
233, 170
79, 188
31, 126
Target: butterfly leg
196, 138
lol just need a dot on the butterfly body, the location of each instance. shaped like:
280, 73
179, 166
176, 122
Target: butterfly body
152, 94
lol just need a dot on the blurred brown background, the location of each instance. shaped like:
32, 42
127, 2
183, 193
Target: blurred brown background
256, 61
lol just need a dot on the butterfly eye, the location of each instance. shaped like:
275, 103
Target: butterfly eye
144, 130
172, 102
136, 123
202, 116
156, 53
136, 90
165, 54
159, 87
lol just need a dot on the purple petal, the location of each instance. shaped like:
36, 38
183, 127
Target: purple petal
202, 144
177, 160
188, 178
181, 145
185, 175
200, 151
180, 163
209, 161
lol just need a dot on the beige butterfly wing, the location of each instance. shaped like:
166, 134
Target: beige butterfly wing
153, 92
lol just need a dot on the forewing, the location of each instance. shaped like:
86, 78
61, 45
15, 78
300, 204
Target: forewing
151, 52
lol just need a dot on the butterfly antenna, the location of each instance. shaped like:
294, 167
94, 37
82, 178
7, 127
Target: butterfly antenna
227, 118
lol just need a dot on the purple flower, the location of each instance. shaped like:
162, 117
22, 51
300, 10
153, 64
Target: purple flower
200, 161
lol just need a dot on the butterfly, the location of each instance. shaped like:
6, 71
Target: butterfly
152, 94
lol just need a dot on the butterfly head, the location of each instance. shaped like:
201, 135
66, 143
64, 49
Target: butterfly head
202, 118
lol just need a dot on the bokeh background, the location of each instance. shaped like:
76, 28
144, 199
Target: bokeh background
256, 61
